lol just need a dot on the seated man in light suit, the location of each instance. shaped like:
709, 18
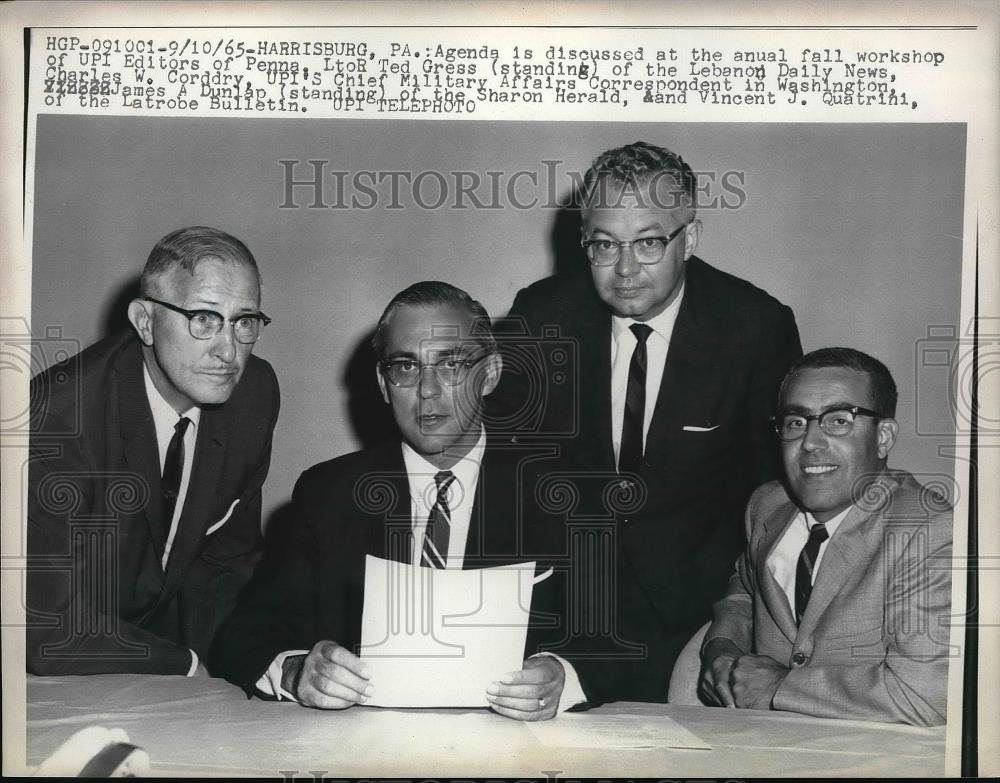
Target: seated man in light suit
839, 605
296, 632
149, 450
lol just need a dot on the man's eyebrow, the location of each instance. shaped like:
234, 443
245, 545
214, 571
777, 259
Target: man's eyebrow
656, 226
401, 355
833, 406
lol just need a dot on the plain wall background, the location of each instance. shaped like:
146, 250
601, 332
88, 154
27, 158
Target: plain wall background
857, 227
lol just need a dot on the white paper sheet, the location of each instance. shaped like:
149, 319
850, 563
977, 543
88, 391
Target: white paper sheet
438, 638
591, 730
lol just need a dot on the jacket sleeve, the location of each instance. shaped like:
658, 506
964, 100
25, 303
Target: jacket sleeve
779, 349
732, 615
72, 627
905, 681
277, 611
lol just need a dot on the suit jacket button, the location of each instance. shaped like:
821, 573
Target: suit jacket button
798, 659
626, 521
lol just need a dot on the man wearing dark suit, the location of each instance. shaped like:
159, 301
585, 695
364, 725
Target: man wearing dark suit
840, 604
676, 370
442, 498
148, 452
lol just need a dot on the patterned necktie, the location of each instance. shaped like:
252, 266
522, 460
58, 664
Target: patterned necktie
804, 570
630, 453
435, 551
173, 467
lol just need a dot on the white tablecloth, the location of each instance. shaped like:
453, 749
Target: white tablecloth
200, 726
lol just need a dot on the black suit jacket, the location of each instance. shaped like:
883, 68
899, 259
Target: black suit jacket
708, 446
98, 599
310, 585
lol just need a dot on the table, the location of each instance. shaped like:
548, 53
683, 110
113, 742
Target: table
207, 727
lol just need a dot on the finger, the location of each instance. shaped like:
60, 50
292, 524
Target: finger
534, 691
344, 657
529, 676
309, 696
335, 673
525, 715
706, 689
333, 688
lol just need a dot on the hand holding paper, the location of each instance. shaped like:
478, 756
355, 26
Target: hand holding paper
332, 678
530, 694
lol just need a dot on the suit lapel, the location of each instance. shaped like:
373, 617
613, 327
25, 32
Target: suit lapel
203, 488
851, 547
698, 345
139, 435
595, 397
774, 597
391, 530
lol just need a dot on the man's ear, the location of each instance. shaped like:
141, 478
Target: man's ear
142, 320
491, 375
381, 385
692, 236
888, 429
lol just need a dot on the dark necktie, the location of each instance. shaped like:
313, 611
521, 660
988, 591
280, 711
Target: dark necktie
173, 467
804, 570
630, 453
435, 552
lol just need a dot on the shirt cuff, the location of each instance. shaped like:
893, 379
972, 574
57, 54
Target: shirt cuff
194, 664
572, 692
270, 681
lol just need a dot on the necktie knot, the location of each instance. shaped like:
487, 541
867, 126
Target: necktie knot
181, 426
641, 332
818, 533
443, 480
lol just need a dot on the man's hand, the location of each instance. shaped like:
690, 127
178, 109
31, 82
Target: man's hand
530, 694
332, 678
717, 663
755, 679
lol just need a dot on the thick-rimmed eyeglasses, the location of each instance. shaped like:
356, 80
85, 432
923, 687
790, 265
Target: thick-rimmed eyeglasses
836, 422
449, 372
205, 324
647, 250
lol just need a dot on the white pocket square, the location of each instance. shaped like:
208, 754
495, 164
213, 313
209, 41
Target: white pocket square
222, 521
692, 428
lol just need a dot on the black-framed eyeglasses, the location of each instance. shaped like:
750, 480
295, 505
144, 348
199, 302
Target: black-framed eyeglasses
647, 250
450, 371
836, 422
205, 324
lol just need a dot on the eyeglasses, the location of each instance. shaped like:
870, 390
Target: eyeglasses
836, 422
205, 324
449, 372
647, 250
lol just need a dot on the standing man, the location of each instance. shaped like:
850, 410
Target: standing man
441, 498
677, 367
839, 606
147, 462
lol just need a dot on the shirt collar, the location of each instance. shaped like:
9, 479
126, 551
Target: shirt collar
831, 524
164, 416
419, 471
661, 324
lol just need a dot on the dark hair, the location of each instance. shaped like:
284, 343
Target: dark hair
637, 164
883, 387
433, 293
186, 247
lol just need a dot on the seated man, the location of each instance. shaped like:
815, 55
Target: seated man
296, 631
839, 605
149, 450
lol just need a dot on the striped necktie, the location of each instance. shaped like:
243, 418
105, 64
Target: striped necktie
804, 570
435, 551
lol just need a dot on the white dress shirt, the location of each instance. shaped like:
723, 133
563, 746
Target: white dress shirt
461, 496
164, 420
784, 558
623, 343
